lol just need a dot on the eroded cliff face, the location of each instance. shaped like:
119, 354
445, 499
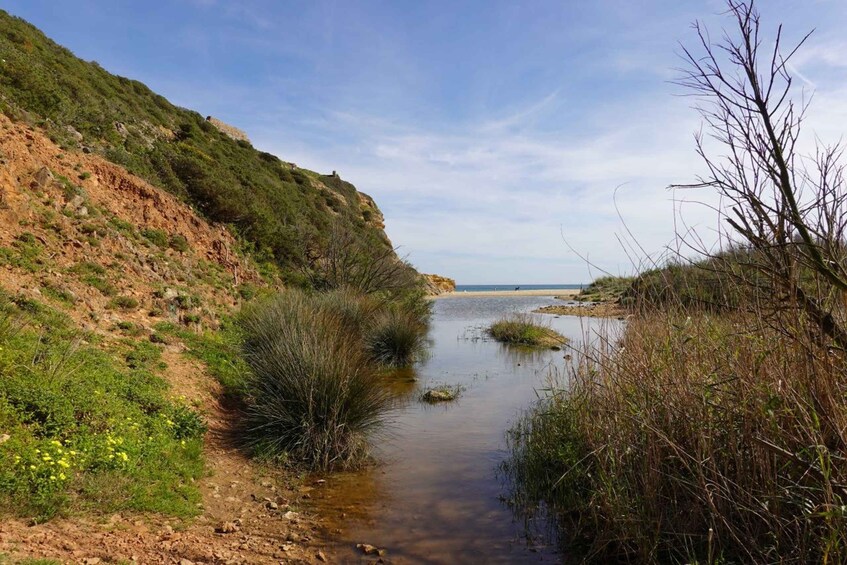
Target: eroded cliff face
437, 284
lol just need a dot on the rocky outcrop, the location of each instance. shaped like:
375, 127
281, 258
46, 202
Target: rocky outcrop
231, 131
370, 211
436, 284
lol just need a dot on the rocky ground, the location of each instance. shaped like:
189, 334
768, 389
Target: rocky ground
588, 309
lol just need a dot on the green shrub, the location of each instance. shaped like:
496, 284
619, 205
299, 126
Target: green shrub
313, 394
124, 303
159, 238
179, 243
524, 329
396, 339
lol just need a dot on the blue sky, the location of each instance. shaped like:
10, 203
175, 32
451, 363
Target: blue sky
496, 136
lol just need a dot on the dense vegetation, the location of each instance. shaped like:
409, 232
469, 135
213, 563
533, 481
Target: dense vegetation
283, 213
315, 394
715, 430
80, 428
605, 289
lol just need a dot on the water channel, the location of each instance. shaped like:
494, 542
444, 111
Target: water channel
436, 495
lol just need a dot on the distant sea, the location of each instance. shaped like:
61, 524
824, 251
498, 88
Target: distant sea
494, 287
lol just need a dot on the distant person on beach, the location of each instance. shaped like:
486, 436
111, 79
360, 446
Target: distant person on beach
517, 288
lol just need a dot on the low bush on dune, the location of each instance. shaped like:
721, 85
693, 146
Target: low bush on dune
314, 395
524, 329
698, 439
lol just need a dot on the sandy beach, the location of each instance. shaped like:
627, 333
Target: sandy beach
558, 292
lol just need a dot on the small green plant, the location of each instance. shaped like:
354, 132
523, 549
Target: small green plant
191, 318
26, 253
93, 274
122, 226
124, 303
178, 242
524, 329
159, 238
57, 292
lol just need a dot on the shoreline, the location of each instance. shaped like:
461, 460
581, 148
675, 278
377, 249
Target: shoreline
564, 293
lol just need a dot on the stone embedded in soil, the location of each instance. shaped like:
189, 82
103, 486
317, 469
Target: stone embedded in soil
227, 528
439, 395
369, 549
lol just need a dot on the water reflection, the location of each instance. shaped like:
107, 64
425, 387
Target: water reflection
435, 497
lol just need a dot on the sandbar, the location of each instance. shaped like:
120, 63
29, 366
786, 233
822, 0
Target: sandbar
564, 293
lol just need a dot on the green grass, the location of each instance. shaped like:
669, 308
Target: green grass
126, 303
86, 429
25, 253
219, 350
159, 238
94, 275
524, 329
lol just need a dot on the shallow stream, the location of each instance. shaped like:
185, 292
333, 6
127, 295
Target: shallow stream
436, 496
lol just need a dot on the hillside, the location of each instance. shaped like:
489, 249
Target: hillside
280, 212
98, 265
131, 232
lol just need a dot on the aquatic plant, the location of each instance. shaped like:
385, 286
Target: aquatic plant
524, 329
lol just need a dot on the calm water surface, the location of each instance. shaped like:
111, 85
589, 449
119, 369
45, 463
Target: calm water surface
436, 497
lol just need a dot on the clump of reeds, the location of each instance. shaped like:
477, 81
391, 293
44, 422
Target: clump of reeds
524, 329
316, 393
396, 338
314, 396
698, 438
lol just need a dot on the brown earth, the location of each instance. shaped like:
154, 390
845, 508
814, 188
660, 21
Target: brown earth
93, 219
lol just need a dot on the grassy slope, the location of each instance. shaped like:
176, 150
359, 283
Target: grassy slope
89, 426
277, 209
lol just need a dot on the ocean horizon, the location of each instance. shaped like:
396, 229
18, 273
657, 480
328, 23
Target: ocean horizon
505, 287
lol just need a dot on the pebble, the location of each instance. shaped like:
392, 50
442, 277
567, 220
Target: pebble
227, 528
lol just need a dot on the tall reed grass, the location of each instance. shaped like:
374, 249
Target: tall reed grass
696, 438
316, 393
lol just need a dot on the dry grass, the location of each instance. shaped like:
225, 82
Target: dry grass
697, 438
